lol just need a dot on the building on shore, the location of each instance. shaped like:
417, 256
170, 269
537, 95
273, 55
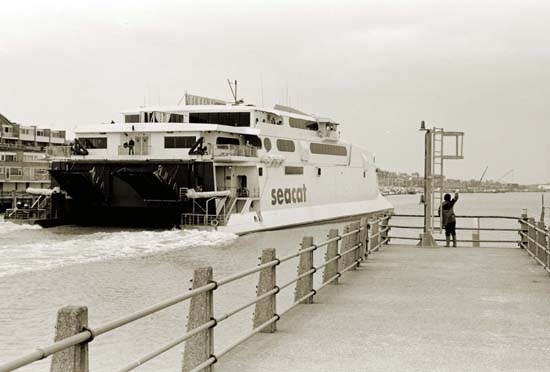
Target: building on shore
23, 161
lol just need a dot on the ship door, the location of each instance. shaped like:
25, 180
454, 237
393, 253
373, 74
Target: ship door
224, 178
242, 188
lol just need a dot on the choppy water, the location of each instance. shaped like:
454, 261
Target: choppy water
114, 272
29, 247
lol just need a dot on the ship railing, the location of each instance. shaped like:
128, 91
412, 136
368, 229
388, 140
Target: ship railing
343, 251
26, 214
137, 150
59, 151
242, 192
234, 150
197, 219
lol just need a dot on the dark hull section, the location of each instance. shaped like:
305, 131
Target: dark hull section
130, 193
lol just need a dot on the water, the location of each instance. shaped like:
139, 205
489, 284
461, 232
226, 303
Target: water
114, 272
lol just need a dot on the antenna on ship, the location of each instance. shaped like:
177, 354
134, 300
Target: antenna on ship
233, 87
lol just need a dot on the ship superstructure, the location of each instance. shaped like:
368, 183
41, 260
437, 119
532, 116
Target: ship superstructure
235, 167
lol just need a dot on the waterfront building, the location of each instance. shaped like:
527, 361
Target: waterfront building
23, 160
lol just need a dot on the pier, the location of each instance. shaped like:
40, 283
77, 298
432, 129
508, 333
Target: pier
363, 302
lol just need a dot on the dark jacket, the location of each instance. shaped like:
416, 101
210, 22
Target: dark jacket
447, 212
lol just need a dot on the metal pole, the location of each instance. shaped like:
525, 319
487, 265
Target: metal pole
426, 239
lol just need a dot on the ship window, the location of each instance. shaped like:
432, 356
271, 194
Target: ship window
294, 170
94, 142
227, 141
176, 118
234, 119
131, 118
177, 142
267, 144
260, 172
285, 145
319, 172
324, 149
303, 124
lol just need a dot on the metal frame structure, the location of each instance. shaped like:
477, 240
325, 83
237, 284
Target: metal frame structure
434, 176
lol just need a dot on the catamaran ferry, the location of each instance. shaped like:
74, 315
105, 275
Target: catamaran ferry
234, 167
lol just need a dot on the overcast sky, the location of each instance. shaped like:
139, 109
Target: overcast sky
378, 67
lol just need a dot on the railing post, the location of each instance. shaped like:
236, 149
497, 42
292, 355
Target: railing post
368, 239
475, 234
523, 228
354, 241
266, 308
305, 284
384, 222
71, 320
541, 239
532, 235
200, 347
331, 269
363, 237
344, 246
375, 238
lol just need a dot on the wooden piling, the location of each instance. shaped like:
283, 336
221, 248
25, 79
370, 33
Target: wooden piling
266, 308
200, 347
71, 320
305, 285
332, 251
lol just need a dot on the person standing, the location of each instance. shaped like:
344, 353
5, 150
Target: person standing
448, 218
131, 145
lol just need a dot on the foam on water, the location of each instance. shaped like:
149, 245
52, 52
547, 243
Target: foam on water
8, 227
47, 248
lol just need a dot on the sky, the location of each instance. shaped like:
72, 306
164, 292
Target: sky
377, 67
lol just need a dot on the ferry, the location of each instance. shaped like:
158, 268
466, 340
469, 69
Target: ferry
210, 164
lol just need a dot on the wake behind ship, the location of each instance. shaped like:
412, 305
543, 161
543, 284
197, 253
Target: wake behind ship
234, 167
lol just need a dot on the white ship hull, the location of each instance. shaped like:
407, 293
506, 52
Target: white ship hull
235, 168
292, 217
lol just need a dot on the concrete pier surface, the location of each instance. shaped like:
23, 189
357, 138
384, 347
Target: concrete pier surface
416, 309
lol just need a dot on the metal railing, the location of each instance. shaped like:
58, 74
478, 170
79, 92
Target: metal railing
535, 239
344, 252
234, 150
59, 151
26, 214
196, 219
491, 234
137, 150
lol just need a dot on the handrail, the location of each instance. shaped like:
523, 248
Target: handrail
489, 217
90, 334
457, 228
534, 226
